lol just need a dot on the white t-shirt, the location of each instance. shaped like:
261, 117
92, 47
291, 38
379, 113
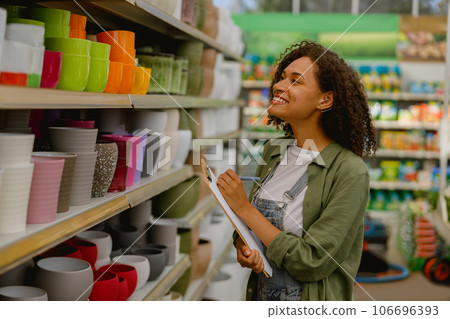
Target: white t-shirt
285, 176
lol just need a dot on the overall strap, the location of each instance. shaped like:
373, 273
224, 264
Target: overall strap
298, 187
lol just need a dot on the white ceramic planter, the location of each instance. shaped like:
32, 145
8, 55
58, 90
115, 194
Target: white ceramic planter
103, 241
184, 145
27, 33
16, 184
152, 120
220, 288
2, 31
16, 57
15, 148
22, 293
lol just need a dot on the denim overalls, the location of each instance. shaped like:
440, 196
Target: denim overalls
281, 286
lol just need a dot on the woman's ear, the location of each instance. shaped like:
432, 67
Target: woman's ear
327, 102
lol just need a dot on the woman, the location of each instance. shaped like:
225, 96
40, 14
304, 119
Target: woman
308, 208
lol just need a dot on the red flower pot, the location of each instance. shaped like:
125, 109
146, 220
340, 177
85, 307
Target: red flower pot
128, 272
123, 290
88, 249
106, 287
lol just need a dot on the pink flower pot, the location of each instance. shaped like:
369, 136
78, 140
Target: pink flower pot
51, 69
44, 192
129, 152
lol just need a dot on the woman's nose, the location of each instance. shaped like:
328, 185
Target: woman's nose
280, 86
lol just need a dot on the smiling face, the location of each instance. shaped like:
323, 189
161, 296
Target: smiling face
297, 96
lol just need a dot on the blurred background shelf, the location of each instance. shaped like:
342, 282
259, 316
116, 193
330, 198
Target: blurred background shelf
408, 154
155, 289
413, 186
395, 125
204, 207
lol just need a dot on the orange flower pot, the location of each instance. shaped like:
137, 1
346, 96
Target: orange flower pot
117, 37
141, 80
122, 54
77, 34
77, 22
127, 79
114, 77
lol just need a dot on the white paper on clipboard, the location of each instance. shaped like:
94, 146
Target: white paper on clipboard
248, 236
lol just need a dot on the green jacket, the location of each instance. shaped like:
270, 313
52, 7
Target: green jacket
327, 257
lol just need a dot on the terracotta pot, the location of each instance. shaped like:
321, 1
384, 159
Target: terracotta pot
209, 58
67, 176
208, 82
200, 259
105, 166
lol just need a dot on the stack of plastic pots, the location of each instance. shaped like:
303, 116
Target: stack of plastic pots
123, 52
99, 67
75, 62
77, 26
16, 63
57, 22
30, 32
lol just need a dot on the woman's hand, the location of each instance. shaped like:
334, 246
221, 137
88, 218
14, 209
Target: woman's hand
248, 258
232, 189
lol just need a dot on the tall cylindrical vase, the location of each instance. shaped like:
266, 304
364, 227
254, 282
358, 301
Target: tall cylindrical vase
105, 166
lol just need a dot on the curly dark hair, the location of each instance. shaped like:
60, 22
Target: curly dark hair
349, 122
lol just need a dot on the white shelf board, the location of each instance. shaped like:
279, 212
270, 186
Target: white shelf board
400, 185
155, 289
408, 154
393, 125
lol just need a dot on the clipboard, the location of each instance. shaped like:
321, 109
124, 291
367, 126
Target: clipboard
247, 236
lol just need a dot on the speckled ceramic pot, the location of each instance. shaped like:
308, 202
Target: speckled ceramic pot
105, 166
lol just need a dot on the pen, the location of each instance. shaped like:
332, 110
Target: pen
249, 178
